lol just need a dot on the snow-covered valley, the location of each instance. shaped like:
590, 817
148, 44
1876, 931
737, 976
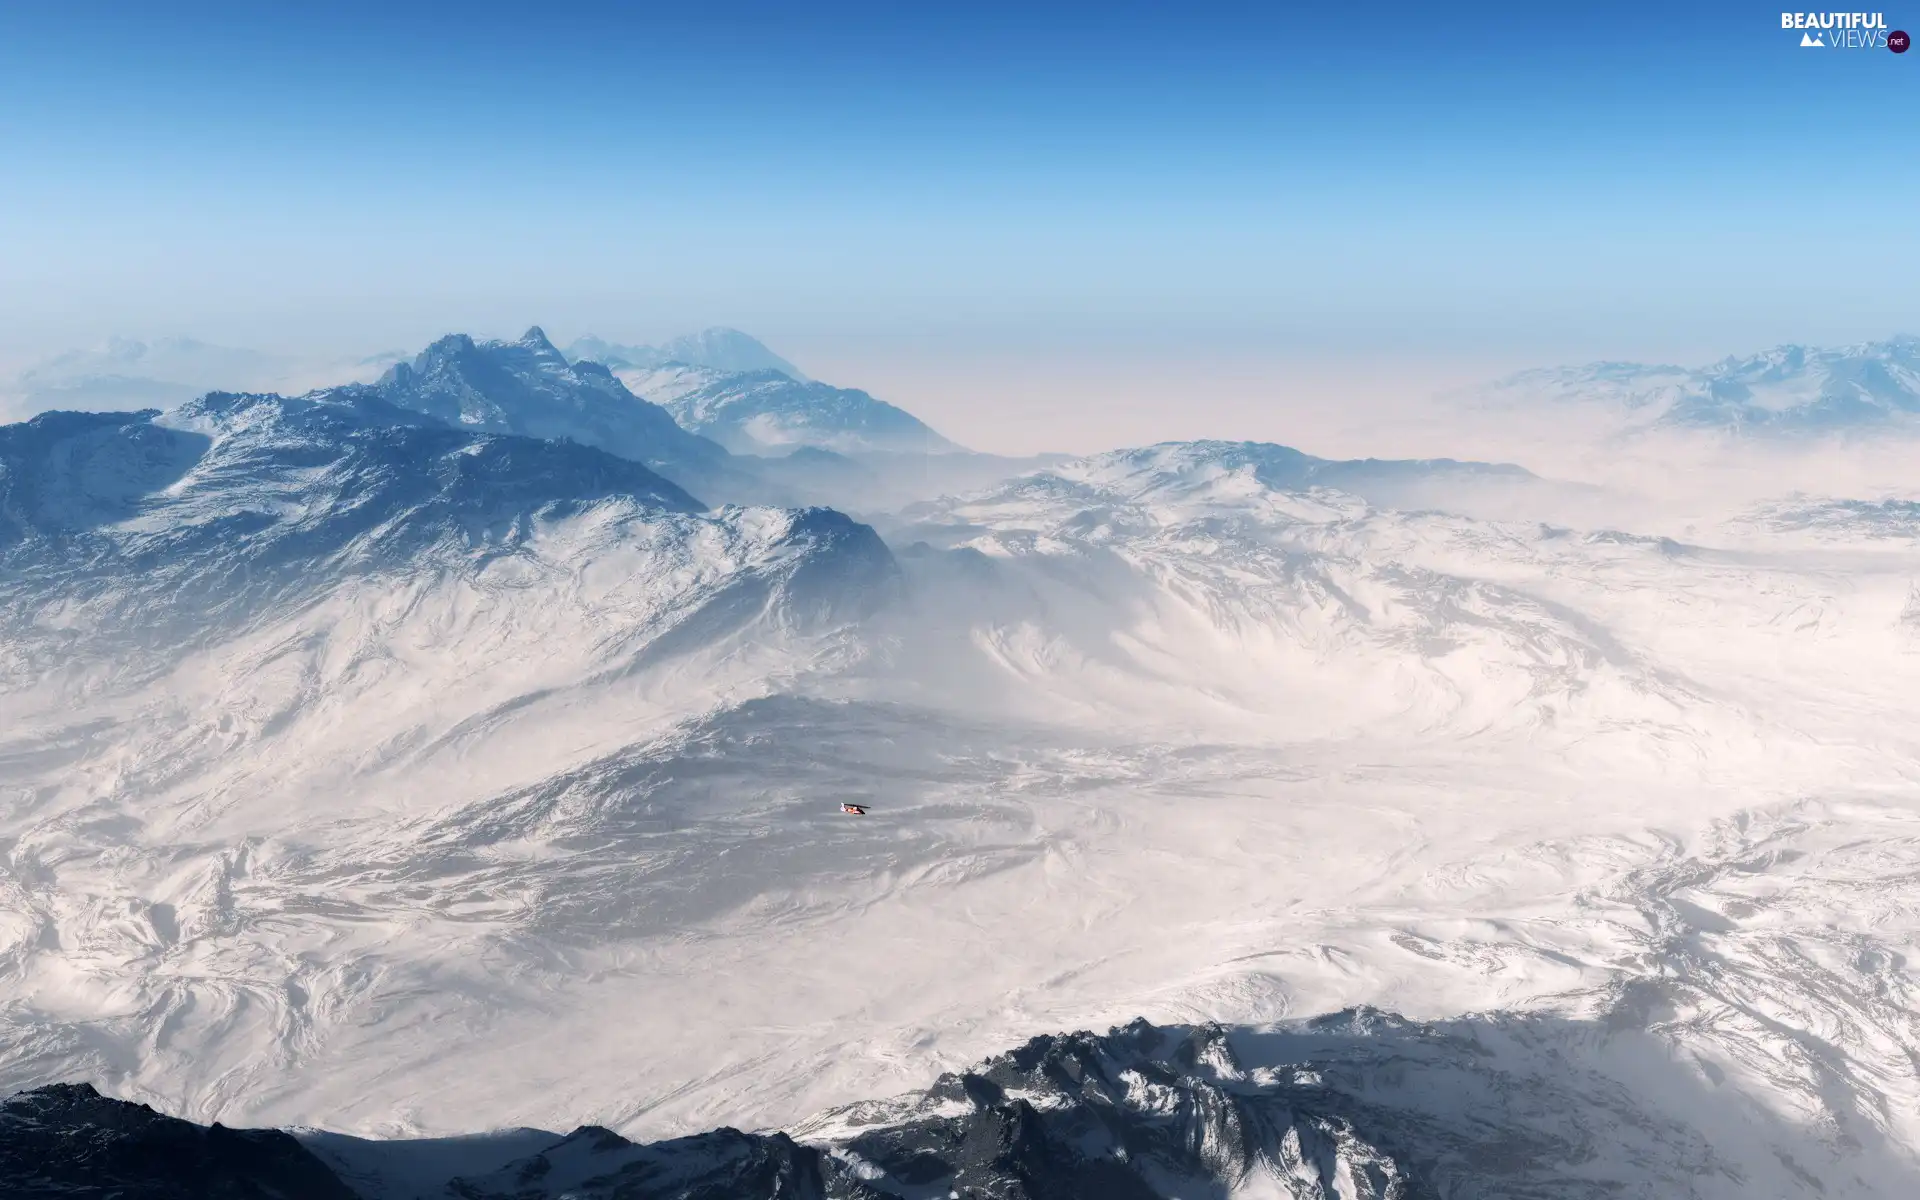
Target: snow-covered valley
404, 776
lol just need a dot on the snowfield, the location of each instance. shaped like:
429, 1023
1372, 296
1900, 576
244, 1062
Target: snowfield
366, 773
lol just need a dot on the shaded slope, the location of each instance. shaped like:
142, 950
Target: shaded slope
234, 502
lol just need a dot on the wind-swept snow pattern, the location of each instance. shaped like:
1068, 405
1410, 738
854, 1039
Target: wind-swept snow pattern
369, 767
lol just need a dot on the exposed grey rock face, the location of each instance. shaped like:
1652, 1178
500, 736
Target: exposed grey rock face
1141, 1112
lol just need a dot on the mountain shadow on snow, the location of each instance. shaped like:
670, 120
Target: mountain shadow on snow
235, 502
65, 472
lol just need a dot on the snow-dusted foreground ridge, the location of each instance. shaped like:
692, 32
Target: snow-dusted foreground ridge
375, 767
1357, 1105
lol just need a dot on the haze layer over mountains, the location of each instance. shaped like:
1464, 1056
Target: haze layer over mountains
462, 748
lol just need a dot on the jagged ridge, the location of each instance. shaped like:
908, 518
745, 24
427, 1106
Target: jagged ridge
1356, 1105
528, 387
236, 505
66, 1141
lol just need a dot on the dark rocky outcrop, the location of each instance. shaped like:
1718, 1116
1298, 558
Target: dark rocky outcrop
70, 1142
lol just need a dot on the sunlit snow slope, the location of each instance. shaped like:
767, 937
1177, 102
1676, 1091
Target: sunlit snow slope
369, 772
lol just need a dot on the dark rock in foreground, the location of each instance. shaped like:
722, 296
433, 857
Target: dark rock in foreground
69, 1141
1357, 1105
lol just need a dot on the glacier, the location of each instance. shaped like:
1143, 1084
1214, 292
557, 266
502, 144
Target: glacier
445, 754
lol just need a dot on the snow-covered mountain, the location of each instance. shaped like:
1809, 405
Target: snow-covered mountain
768, 412
128, 536
1787, 390
717, 349
363, 767
1184, 467
1218, 585
244, 519
528, 387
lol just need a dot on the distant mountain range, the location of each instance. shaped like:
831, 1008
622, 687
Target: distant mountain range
1182, 467
726, 436
125, 375
728, 386
1787, 390
768, 412
719, 349
733, 392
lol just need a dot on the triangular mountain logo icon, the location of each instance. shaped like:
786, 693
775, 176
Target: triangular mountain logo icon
1811, 39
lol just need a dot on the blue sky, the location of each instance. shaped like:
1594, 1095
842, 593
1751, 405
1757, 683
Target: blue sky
874, 186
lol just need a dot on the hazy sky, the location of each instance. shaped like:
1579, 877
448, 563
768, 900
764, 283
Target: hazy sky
926, 198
